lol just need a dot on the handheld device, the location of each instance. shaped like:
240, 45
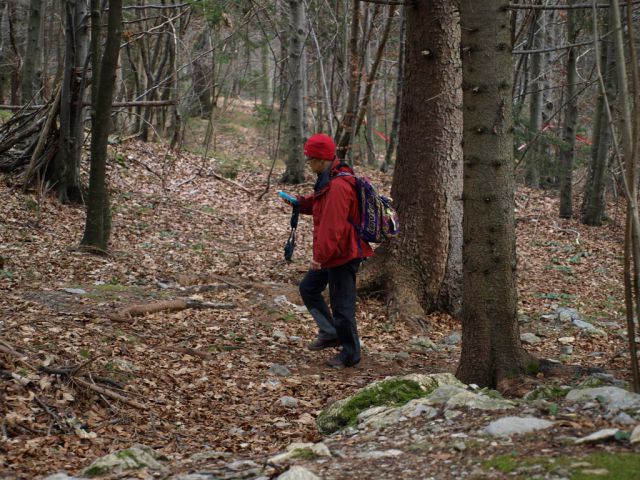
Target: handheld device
291, 199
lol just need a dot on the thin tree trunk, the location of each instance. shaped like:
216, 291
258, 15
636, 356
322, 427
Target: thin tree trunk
294, 172
4, 24
593, 204
31, 74
67, 160
16, 64
567, 150
345, 127
98, 224
535, 110
393, 135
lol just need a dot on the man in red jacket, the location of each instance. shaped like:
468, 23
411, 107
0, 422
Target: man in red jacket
337, 252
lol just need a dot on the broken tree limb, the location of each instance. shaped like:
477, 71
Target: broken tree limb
44, 135
171, 306
108, 393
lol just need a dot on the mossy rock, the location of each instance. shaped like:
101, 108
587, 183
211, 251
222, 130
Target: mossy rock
548, 392
392, 392
134, 458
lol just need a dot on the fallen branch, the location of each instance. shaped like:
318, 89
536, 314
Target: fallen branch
108, 393
171, 306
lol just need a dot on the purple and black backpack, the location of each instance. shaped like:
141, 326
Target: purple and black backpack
378, 219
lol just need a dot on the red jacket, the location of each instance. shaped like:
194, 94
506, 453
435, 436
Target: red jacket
334, 207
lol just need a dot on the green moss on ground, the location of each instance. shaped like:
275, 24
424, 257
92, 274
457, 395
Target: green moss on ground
618, 466
393, 392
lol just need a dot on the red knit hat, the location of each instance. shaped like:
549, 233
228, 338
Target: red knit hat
320, 146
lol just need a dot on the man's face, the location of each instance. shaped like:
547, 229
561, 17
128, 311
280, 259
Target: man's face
316, 165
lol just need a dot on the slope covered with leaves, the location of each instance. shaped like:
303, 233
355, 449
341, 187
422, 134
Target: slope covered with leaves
79, 378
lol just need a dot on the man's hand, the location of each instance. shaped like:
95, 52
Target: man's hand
315, 265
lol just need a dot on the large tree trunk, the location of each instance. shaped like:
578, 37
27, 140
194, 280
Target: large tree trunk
421, 268
593, 201
31, 74
294, 172
568, 147
491, 348
66, 165
98, 224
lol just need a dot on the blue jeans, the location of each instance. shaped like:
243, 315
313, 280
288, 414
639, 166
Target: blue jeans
340, 321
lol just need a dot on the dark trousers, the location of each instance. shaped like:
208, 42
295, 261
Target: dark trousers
340, 321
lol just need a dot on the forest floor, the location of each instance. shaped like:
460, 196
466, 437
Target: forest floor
199, 379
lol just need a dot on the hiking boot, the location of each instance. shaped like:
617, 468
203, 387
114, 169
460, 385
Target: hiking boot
336, 362
322, 343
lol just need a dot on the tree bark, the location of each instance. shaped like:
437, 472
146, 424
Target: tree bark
491, 348
568, 147
66, 165
31, 74
421, 268
593, 202
294, 172
345, 127
535, 107
98, 224
391, 146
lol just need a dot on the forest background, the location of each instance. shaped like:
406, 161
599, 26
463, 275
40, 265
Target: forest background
154, 135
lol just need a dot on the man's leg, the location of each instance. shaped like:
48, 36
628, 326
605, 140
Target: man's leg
342, 291
311, 288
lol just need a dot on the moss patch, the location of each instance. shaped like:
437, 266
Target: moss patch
618, 466
392, 392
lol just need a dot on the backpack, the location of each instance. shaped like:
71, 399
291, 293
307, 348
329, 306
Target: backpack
378, 220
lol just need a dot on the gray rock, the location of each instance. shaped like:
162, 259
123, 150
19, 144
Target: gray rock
195, 476
240, 465
530, 338
295, 339
635, 435
301, 449
454, 397
623, 418
208, 455
380, 417
136, 457
613, 398
288, 402
460, 446
566, 350
599, 436
451, 414
402, 356
507, 426
522, 319
75, 291
566, 315
582, 325
60, 476
340, 414
279, 335
298, 473
279, 370
454, 339
422, 343
373, 454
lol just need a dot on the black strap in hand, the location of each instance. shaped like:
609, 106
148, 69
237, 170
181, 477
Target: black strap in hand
291, 242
